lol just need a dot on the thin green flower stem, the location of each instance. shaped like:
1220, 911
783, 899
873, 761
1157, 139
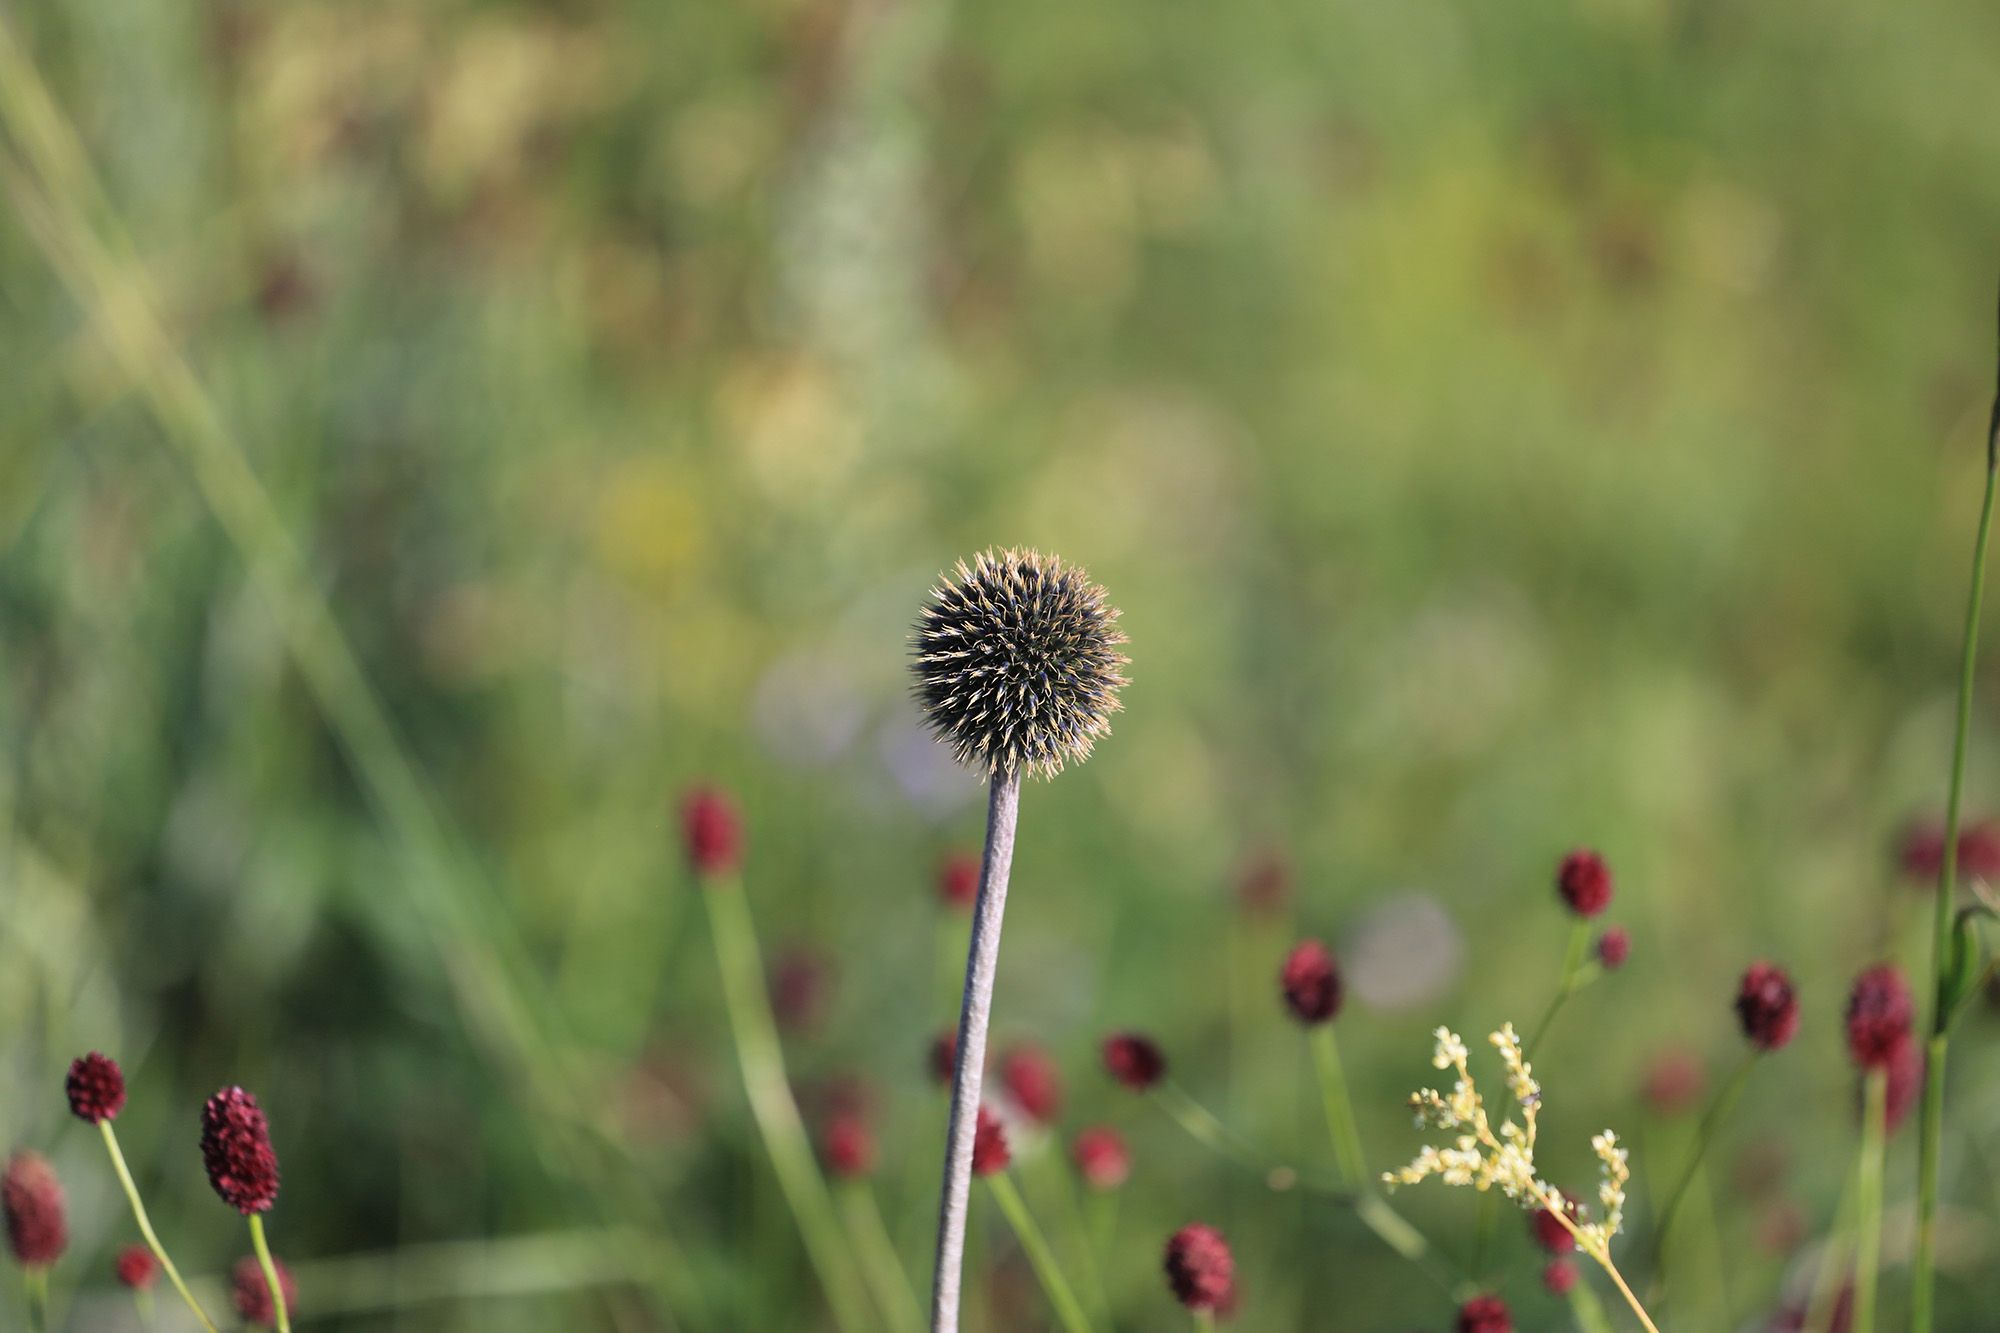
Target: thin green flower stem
279, 1306
1069, 1194
146, 1226
1600, 1254
1589, 1311
1040, 1257
1711, 1121
142, 1301
879, 1264
1827, 1281
772, 1106
1931, 1124
36, 1281
1339, 1108
1868, 1194
1204, 1321
1101, 1206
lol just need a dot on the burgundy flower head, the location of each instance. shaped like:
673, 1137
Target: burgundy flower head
989, 1145
1033, 1081
1905, 1081
32, 1197
1199, 1267
1674, 1082
1767, 1006
1550, 1234
1584, 882
252, 1293
1485, 1314
136, 1267
1102, 1158
1559, 1275
711, 831
848, 1146
236, 1149
1135, 1060
1614, 946
943, 1053
96, 1088
1311, 982
958, 880
1979, 851
1922, 851
1880, 1012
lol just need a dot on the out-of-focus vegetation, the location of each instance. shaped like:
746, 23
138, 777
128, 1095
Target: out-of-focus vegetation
1505, 427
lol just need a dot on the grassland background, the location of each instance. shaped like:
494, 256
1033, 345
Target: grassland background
1505, 427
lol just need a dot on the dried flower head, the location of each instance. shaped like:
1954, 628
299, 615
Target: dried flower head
711, 832
1200, 1270
1101, 1158
1767, 1006
1311, 982
989, 1145
1485, 1314
958, 880
847, 1146
252, 1293
32, 1198
96, 1088
1134, 1059
1031, 1079
1614, 946
1559, 1276
1584, 882
1880, 1013
236, 1149
1017, 662
136, 1267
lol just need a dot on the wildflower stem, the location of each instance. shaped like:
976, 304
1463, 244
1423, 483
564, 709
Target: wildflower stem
877, 1251
1931, 1125
771, 1103
1820, 1310
1868, 1186
146, 1225
36, 1280
1339, 1108
982, 959
1599, 1252
1039, 1255
1589, 1311
1204, 1321
279, 1309
1066, 1191
1711, 1121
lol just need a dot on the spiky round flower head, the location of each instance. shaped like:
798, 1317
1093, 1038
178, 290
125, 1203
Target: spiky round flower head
958, 880
1559, 1276
848, 1146
989, 1145
1880, 1012
1018, 668
96, 1088
1485, 1314
1200, 1269
1135, 1060
136, 1267
1101, 1158
1584, 882
1614, 946
32, 1198
1031, 1078
1311, 982
1767, 1006
251, 1292
236, 1149
711, 832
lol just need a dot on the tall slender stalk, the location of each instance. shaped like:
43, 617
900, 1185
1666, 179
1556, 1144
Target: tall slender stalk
146, 1226
982, 957
1711, 1121
1931, 1124
280, 1308
36, 1282
1068, 1309
1868, 1194
1600, 1253
877, 1251
1339, 1108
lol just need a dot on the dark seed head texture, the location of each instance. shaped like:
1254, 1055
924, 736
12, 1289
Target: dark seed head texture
1018, 668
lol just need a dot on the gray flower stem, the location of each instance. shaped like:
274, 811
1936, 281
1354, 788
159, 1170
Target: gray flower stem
1003, 807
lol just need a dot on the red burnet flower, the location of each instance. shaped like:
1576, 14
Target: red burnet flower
1263, 882
1031, 1078
1311, 982
1559, 1275
1101, 1157
942, 1055
236, 1149
958, 880
1614, 946
1979, 851
847, 1146
711, 832
1485, 1314
1584, 882
96, 1088
32, 1198
1674, 1082
1767, 1006
1135, 1060
1200, 1270
136, 1267
1922, 851
1880, 1012
1904, 1082
251, 1292
989, 1145
1551, 1234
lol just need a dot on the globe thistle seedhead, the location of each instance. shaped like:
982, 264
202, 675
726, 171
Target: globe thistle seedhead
37, 1220
1880, 1014
1767, 1006
1017, 662
236, 1149
136, 1267
96, 1088
990, 1152
1200, 1270
1485, 1314
1101, 1157
252, 1293
1135, 1060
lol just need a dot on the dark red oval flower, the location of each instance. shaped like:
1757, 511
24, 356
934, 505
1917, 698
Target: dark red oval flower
848, 1146
1134, 1059
989, 1145
136, 1267
236, 1149
1614, 946
1101, 1158
1550, 1234
1584, 882
1485, 1314
958, 880
711, 832
1559, 1276
251, 1292
96, 1088
1311, 982
1200, 1270
1767, 1006
1031, 1078
1880, 1013
32, 1198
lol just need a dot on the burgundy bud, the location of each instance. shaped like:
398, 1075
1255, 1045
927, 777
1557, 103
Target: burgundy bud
848, 1146
1135, 1060
1880, 1012
1033, 1081
1905, 1081
1311, 982
711, 831
252, 1292
236, 1148
1922, 851
1551, 1234
1767, 1006
1559, 1275
1102, 1158
96, 1088
1485, 1314
1584, 882
1614, 946
32, 1197
942, 1055
1979, 851
136, 1267
958, 880
989, 1145
1199, 1267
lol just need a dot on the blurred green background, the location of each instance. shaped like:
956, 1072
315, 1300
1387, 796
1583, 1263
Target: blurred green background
1504, 427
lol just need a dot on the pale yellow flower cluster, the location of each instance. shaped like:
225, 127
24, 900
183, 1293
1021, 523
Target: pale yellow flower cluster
1504, 1158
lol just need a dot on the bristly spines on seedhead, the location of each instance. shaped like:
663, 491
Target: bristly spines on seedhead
1017, 662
